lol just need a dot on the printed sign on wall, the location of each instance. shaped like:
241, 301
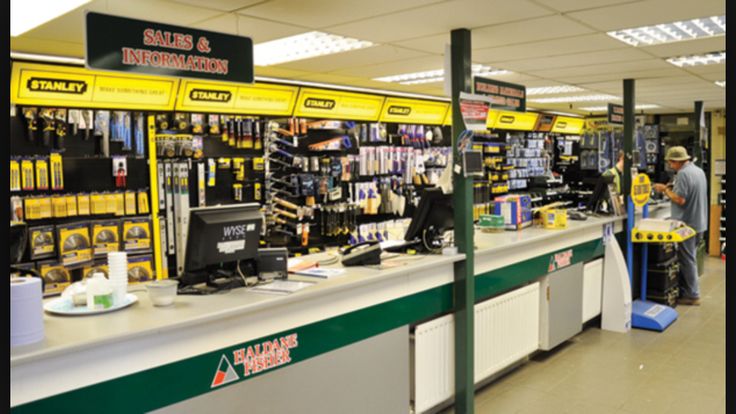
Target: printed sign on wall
128, 45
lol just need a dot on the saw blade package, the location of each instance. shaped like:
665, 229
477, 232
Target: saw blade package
140, 269
74, 244
42, 242
137, 234
105, 237
56, 277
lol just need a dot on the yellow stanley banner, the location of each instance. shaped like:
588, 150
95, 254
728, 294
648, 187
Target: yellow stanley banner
517, 121
256, 99
49, 85
322, 103
568, 125
492, 118
413, 111
448, 117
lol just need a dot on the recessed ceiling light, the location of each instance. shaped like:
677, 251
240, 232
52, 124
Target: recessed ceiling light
304, 46
431, 76
578, 98
548, 90
672, 32
605, 108
26, 15
697, 60
722, 83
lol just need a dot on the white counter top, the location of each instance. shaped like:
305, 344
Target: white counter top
69, 334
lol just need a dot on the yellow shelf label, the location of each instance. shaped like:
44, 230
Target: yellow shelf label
256, 99
413, 111
48, 85
568, 125
321, 103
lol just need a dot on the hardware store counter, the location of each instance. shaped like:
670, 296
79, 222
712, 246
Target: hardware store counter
169, 354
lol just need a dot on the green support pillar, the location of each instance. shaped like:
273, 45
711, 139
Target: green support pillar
629, 108
697, 150
464, 287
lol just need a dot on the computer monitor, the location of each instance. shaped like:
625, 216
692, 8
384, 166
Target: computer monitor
600, 193
220, 235
431, 218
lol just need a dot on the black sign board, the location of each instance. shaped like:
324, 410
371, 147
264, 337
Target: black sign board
615, 114
136, 46
503, 95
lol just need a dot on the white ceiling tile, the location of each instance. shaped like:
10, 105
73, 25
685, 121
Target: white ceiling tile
575, 60
543, 48
323, 13
160, 11
272, 71
571, 5
649, 12
621, 68
688, 47
438, 19
431, 44
353, 58
431, 62
540, 28
264, 31
223, 5
224, 23
46, 47
708, 69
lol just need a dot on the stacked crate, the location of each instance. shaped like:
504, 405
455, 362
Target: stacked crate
662, 274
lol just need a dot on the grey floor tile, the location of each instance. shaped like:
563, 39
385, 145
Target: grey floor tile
680, 370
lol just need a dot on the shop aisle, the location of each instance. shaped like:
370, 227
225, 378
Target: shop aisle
681, 370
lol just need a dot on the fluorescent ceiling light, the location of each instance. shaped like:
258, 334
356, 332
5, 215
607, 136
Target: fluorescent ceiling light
697, 60
304, 46
548, 90
605, 108
431, 76
672, 32
47, 58
578, 98
28, 14
722, 83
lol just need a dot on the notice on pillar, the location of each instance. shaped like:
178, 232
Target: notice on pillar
136, 46
475, 110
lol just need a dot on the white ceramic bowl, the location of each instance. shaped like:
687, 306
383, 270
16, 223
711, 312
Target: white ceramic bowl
162, 292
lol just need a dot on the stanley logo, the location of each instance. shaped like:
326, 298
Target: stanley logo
57, 85
210, 95
506, 119
399, 110
562, 124
320, 103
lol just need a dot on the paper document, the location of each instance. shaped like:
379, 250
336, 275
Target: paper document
281, 287
320, 272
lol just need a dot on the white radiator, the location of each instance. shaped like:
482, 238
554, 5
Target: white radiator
506, 330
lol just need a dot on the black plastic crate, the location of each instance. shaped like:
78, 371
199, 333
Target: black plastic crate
661, 253
668, 297
662, 281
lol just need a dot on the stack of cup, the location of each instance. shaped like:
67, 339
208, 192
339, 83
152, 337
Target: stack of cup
117, 263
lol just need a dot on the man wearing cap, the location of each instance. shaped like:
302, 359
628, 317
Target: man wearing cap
689, 199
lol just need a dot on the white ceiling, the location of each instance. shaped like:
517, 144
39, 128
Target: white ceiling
543, 42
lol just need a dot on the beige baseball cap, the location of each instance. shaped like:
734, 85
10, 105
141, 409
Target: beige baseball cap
677, 153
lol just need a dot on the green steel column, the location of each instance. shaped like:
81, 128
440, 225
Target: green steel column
629, 102
697, 153
464, 287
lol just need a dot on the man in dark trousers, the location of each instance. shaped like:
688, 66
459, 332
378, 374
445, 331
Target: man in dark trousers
689, 197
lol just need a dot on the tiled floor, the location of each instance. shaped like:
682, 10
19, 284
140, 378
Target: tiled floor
680, 370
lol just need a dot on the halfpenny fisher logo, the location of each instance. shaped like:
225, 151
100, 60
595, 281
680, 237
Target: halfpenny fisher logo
263, 356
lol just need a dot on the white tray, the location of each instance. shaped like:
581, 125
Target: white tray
65, 306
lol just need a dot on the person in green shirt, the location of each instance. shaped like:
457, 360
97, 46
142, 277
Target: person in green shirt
617, 170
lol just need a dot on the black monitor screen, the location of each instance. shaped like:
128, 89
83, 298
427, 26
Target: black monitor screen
222, 234
600, 193
434, 209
